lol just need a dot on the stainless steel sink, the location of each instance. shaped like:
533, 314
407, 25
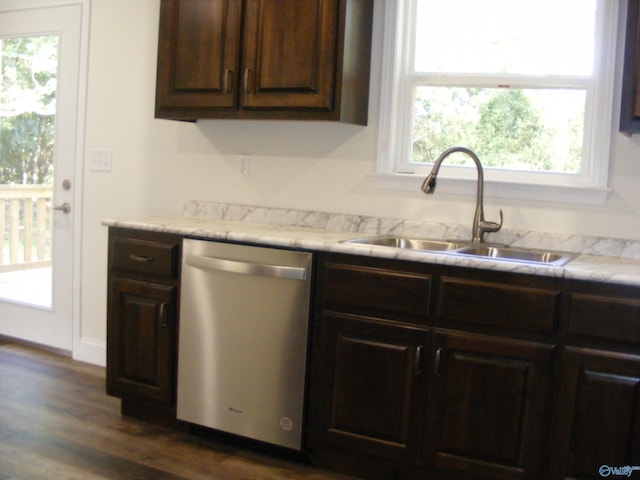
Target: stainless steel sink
515, 254
467, 248
410, 243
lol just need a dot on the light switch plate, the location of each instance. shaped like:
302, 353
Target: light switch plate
100, 160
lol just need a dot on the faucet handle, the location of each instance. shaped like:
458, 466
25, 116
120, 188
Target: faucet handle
488, 227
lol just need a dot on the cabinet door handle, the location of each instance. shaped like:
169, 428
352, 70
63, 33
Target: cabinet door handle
437, 362
139, 258
247, 79
417, 361
228, 80
163, 314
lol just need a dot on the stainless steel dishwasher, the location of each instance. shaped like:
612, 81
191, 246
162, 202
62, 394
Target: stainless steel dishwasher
244, 317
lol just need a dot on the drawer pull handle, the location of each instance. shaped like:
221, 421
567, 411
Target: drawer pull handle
140, 259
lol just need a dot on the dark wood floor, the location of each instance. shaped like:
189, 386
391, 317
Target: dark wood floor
57, 423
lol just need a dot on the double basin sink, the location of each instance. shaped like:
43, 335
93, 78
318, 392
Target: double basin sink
470, 249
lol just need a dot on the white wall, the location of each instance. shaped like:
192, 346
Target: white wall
316, 166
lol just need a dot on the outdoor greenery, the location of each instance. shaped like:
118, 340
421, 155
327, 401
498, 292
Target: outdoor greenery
501, 124
27, 109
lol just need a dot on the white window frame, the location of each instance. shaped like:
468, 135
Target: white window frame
394, 137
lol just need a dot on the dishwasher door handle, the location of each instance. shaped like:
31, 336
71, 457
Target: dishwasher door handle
246, 268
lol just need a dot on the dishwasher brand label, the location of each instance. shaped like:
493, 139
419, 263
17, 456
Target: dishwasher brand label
286, 424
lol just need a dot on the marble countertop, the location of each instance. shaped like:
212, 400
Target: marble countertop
603, 268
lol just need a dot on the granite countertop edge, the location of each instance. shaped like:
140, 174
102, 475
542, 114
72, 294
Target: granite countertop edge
615, 270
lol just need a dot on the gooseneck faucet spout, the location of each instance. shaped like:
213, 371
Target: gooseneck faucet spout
480, 226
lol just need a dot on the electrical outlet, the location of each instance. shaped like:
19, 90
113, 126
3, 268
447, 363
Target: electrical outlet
245, 164
100, 160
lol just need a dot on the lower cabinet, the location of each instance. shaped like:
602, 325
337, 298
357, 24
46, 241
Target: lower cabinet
397, 394
142, 340
487, 405
142, 322
370, 386
483, 415
597, 416
420, 371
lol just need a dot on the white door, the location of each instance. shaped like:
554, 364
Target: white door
36, 289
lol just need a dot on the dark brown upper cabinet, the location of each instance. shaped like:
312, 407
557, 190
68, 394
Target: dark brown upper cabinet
630, 108
264, 59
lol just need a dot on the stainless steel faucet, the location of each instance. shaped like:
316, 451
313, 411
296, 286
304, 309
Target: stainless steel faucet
480, 226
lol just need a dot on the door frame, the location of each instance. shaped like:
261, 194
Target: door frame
80, 349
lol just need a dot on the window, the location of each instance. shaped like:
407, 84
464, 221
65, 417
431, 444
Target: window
527, 86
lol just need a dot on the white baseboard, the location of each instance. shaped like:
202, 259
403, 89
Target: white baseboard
90, 351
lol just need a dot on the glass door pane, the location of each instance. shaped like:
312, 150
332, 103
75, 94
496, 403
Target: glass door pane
28, 85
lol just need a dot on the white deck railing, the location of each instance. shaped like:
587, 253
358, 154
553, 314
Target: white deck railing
25, 226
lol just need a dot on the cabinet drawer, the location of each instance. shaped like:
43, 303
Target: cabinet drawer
148, 257
610, 318
385, 292
526, 308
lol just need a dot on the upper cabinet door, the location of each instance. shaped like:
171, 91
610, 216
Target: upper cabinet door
265, 59
630, 108
198, 55
290, 53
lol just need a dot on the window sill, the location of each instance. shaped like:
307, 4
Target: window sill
497, 189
